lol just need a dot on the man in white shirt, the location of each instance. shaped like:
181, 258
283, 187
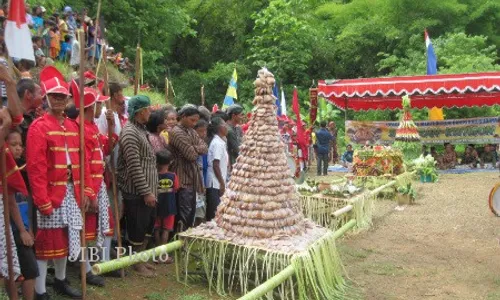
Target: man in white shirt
74, 60
118, 106
218, 164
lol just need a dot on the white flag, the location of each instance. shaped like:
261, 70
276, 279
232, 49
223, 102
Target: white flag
17, 32
283, 103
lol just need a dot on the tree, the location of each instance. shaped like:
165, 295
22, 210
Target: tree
281, 42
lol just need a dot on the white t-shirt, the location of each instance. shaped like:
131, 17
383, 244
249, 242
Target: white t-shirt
75, 53
217, 151
102, 124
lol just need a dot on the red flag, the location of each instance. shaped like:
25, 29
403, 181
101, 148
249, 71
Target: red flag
17, 32
301, 138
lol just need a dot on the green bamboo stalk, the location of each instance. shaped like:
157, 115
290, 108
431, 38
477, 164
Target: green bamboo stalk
270, 284
342, 230
130, 260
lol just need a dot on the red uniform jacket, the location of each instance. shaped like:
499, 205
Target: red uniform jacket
96, 148
15, 181
47, 165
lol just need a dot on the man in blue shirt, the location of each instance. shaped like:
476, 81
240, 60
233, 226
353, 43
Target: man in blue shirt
323, 139
347, 157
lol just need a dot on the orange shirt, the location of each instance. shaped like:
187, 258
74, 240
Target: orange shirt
55, 40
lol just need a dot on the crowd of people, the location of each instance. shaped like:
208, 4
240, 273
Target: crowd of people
55, 38
473, 156
171, 167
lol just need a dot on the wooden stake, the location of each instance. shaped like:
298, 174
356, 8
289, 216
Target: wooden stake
166, 90
83, 272
6, 218
112, 165
172, 87
95, 32
202, 95
137, 69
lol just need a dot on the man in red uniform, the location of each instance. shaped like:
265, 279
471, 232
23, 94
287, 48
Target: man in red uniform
98, 220
53, 165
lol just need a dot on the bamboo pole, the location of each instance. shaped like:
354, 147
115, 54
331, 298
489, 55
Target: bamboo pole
96, 30
172, 87
270, 284
112, 166
8, 236
202, 95
342, 211
166, 90
137, 68
286, 273
83, 272
133, 259
373, 192
342, 230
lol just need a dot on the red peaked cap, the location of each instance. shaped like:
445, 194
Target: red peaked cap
102, 98
89, 75
100, 86
89, 95
52, 82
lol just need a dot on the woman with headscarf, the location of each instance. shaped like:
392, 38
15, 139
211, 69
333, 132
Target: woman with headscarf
186, 146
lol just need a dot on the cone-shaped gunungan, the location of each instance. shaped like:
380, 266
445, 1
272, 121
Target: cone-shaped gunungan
261, 200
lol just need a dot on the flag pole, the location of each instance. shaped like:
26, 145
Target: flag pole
112, 165
8, 236
81, 82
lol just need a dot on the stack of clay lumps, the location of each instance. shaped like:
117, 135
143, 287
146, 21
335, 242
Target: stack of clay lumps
261, 200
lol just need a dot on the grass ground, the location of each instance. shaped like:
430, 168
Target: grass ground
444, 247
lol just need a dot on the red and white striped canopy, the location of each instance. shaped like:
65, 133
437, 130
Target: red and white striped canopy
457, 90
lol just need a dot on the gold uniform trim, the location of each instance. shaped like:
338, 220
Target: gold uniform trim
56, 183
66, 166
63, 149
46, 205
14, 170
97, 176
63, 133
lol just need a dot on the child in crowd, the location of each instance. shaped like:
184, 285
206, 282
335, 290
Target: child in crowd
24, 66
201, 128
218, 165
170, 122
46, 36
166, 209
55, 42
156, 125
65, 48
21, 229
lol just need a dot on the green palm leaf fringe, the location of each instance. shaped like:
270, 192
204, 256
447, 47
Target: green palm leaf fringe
320, 208
229, 267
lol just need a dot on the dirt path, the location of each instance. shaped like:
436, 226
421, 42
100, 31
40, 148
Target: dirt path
444, 247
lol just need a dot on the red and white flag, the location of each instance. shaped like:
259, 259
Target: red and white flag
17, 32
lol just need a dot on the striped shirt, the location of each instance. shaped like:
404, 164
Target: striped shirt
136, 167
186, 146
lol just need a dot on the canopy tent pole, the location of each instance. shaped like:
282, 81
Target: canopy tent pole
345, 109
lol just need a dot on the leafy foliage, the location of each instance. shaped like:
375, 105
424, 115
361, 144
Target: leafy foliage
196, 42
278, 37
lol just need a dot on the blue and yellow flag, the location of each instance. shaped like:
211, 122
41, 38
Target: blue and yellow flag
231, 93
